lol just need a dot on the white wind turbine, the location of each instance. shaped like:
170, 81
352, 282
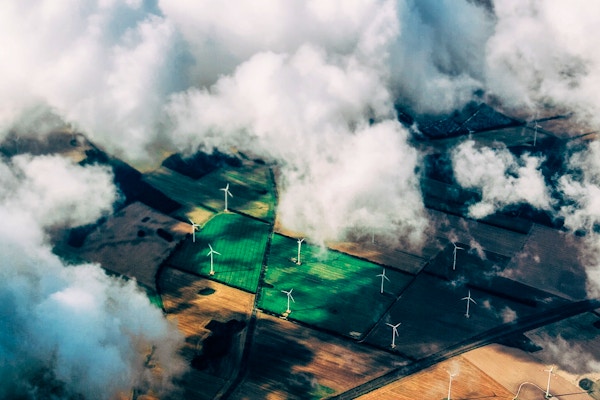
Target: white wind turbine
289, 296
195, 227
450, 384
454, 254
383, 277
210, 253
469, 300
226, 193
535, 131
549, 371
394, 332
299, 247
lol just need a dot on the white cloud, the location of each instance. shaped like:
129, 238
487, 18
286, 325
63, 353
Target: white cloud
310, 115
502, 178
543, 53
69, 330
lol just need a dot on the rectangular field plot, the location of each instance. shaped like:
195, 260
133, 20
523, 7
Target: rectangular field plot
331, 290
252, 189
432, 312
241, 242
292, 361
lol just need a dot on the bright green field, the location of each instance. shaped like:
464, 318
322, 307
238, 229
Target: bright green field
331, 290
240, 240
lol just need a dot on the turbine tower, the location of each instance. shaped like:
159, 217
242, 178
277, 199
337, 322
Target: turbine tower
549, 371
469, 300
454, 255
450, 384
383, 277
195, 227
210, 253
394, 332
289, 296
299, 247
226, 193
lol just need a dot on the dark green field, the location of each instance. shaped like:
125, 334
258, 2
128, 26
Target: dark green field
253, 190
240, 240
331, 290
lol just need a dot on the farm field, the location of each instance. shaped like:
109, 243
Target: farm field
290, 361
184, 190
328, 287
210, 316
241, 242
469, 382
252, 189
432, 314
512, 368
133, 243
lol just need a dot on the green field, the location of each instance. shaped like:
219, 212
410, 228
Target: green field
252, 188
253, 191
240, 240
331, 290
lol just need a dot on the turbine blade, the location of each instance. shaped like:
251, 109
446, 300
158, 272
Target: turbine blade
291, 297
216, 252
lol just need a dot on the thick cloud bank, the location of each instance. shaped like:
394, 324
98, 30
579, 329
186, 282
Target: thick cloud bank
581, 189
69, 331
543, 54
311, 115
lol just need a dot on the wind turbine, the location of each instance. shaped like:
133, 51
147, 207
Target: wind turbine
454, 255
289, 296
535, 131
299, 247
383, 277
450, 384
210, 253
227, 192
549, 371
194, 229
394, 332
16, 139
469, 300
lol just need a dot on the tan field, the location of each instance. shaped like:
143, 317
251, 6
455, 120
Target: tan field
494, 372
196, 304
